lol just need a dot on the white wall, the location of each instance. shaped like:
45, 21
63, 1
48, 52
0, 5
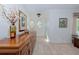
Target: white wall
56, 34
4, 23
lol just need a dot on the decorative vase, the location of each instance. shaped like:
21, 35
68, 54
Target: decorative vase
12, 31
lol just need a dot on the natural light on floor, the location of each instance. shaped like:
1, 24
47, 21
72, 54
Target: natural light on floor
47, 38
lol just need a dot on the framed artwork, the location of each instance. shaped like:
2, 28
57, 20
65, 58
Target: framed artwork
62, 22
22, 21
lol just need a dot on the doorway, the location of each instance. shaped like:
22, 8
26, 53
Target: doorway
76, 24
38, 23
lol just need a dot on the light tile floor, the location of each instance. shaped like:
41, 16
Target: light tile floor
44, 48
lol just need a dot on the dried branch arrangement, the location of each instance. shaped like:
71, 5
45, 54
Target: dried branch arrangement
12, 15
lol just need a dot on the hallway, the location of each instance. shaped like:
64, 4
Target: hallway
44, 48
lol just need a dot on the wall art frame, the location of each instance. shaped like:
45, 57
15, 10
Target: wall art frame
22, 21
63, 22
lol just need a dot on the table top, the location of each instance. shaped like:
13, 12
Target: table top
14, 43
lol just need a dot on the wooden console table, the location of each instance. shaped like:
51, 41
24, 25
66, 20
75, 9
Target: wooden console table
21, 45
75, 41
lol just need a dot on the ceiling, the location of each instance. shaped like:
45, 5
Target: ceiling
52, 6
45, 6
